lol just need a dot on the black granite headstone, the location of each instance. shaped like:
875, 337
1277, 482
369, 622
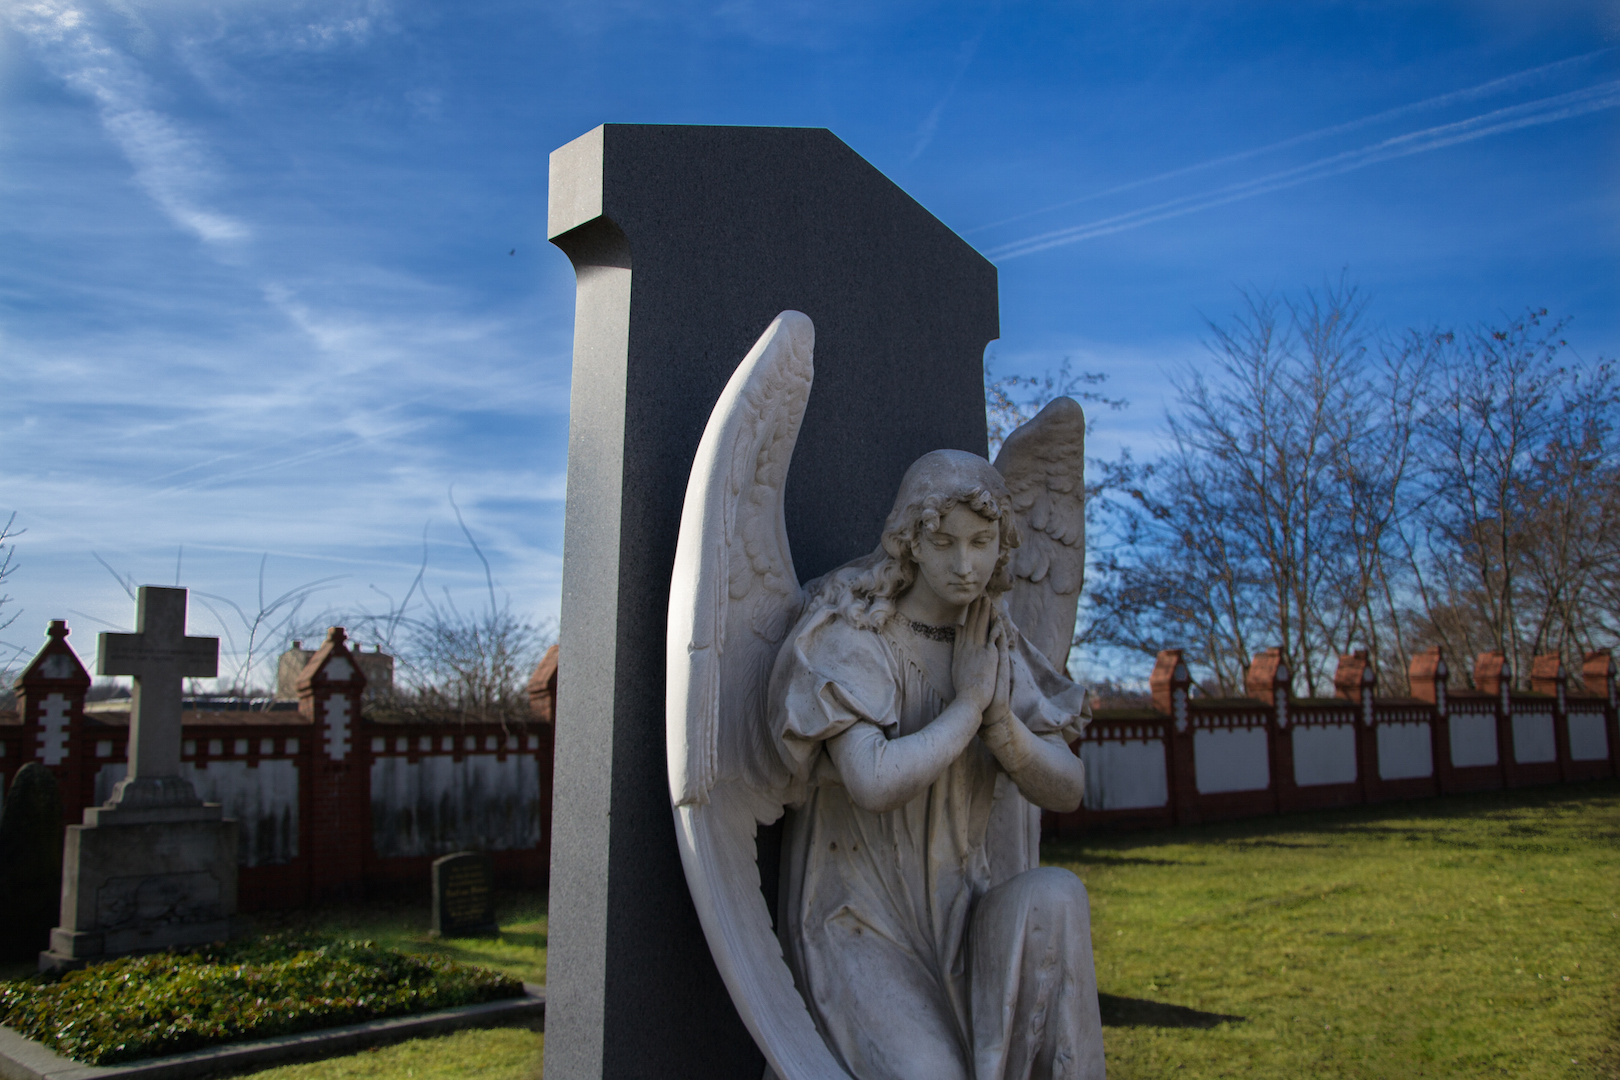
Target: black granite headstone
464, 896
30, 863
686, 243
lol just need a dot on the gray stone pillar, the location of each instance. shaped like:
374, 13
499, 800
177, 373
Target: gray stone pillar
686, 242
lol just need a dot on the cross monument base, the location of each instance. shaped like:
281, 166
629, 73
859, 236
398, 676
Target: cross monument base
143, 880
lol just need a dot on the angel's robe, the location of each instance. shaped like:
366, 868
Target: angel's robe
926, 940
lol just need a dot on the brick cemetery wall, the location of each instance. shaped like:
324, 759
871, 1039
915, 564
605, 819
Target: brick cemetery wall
330, 801
331, 806
1191, 759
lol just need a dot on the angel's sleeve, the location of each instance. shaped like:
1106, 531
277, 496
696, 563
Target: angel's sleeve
1045, 699
829, 676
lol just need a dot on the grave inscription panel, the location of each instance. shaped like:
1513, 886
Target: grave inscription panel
464, 896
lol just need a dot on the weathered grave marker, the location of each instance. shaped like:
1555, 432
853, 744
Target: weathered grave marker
686, 243
464, 896
30, 862
155, 867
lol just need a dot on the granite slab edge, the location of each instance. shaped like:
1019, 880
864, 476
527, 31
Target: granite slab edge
24, 1059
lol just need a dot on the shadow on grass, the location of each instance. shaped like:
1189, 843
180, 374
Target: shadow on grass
1099, 859
1120, 1011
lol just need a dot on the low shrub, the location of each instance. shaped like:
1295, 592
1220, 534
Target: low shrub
169, 1003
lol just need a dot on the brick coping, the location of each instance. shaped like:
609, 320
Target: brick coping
24, 1059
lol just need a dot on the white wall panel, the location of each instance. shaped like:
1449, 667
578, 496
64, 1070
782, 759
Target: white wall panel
1588, 737
1533, 740
1473, 740
1405, 751
1125, 775
1231, 759
1325, 754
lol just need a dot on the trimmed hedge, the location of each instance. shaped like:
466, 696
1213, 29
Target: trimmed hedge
169, 1003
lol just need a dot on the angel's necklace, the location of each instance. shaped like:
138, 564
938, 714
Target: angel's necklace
932, 633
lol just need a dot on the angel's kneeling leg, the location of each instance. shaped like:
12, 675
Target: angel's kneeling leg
1034, 990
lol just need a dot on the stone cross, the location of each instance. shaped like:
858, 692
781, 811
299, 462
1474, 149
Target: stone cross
160, 656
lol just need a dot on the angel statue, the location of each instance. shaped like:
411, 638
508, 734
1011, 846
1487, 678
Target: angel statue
910, 714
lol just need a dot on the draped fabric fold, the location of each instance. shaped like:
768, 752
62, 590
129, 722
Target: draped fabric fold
893, 922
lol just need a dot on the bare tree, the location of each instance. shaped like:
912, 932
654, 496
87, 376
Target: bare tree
452, 662
1176, 571
1276, 517
1253, 520
255, 633
13, 654
1519, 511
1013, 400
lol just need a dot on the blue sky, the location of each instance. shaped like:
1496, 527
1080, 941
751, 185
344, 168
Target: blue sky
274, 276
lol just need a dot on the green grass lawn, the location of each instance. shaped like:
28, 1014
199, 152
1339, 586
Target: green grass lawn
1470, 936
494, 1054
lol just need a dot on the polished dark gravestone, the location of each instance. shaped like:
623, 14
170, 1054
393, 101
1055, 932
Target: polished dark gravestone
464, 896
30, 862
686, 243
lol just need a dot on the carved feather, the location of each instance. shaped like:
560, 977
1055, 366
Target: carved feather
1044, 464
733, 598
734, 593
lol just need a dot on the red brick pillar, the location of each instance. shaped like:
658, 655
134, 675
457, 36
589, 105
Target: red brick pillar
50, 702
339, 830
1547, 676
1494, 675
1269, 680
1170, 684
1598, 672
543, 706
1428, 674
1355, 679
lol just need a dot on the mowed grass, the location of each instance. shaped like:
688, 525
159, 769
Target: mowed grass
1471, 936
404, 924
493, 1054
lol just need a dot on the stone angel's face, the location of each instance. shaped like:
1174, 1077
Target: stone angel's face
957, 559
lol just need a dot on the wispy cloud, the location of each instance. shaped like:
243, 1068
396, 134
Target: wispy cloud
170, 165
930, 125
1513, 118
1505, 84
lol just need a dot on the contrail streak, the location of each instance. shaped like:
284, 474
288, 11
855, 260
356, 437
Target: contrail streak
1485, 89
1529, 114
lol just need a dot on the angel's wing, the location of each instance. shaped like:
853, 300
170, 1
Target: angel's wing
1044, 465
733, 597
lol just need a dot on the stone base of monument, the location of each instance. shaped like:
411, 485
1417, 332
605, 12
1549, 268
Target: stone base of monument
145, 879
25, 1059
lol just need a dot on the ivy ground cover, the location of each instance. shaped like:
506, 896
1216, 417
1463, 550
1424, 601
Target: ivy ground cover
169, 1003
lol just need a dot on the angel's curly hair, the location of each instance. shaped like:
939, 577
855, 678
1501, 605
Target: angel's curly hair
865, 592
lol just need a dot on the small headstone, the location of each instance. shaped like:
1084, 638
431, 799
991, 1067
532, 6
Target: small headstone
464, 896
30, 862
